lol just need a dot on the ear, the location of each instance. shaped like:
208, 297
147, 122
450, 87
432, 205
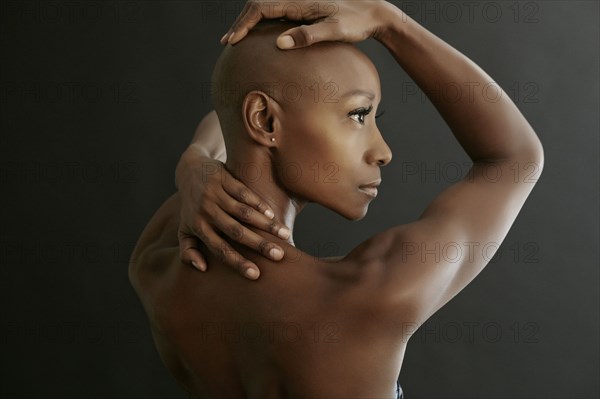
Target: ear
260, 114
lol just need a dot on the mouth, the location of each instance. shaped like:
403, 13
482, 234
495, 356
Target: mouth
371, 188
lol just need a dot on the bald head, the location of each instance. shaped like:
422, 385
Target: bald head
290, 77
296, 121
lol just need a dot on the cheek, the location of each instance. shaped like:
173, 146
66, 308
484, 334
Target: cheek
320, 163
300, 163
323, 172
304, 148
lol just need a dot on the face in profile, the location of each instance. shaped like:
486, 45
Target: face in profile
320, 102
331, 145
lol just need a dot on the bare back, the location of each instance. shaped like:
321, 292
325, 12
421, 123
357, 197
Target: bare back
299, 331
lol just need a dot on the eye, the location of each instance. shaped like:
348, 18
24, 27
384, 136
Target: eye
361, 113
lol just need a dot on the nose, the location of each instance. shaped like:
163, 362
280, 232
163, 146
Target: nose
379, 152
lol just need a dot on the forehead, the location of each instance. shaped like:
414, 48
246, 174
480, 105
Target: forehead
337, 73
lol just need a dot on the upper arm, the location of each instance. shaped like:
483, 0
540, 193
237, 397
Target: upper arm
426, 263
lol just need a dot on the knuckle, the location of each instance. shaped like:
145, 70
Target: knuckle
261, 206
224, 252
263, 246
312, 13
236, 232
243, 194
245, 213
306, 35
274, 227
342, 30
254, 10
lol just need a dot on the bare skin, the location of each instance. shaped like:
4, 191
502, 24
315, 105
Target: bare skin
311, 327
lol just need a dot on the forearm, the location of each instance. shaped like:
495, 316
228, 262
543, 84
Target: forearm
207, 143
483, 118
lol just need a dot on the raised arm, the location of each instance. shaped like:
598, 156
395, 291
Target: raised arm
425, 263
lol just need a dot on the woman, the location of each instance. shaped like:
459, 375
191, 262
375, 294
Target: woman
311, 327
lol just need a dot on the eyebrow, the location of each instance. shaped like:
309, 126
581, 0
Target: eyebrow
359, 92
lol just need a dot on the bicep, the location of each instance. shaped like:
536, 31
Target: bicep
429, 261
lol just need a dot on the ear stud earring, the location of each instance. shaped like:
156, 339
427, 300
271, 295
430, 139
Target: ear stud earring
272, 138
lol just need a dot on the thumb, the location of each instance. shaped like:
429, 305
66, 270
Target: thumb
189, 253
304, 35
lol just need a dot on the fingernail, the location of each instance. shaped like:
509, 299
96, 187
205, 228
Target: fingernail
221, 40
251, 273
269, 213
285, 41
196, 265
275, 253
284, 233
231, 37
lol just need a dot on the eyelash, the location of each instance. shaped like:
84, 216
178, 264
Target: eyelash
364, 112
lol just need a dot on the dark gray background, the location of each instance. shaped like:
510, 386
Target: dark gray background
99, 99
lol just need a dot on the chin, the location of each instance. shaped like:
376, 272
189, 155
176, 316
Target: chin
354, 210
356, 214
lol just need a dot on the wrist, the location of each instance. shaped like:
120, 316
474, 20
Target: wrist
393, 23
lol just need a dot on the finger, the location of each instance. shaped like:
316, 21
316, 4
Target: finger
242, 193
250, 216
231, 257
255, 13
247, 237
189, 252
249, 17
306, 35
244, 11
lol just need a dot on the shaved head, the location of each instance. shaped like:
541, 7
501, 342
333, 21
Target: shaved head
299, 125
290, 77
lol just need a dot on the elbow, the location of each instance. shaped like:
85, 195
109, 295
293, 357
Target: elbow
530, 149
531, 158
527, 155
536, 152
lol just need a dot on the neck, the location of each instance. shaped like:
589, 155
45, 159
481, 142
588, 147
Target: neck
255, 168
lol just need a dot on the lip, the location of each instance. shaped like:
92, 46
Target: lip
370, 191
373, 184
370, 188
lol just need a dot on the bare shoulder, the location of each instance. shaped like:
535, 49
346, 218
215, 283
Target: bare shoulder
159, 235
